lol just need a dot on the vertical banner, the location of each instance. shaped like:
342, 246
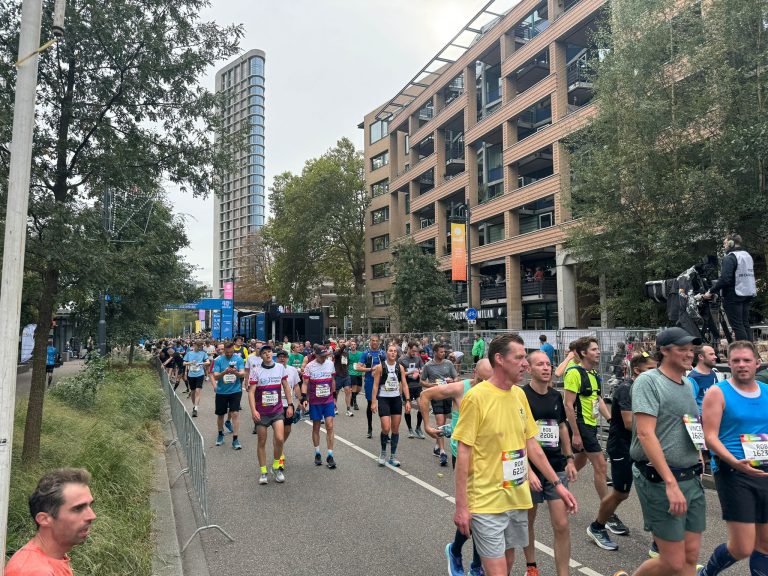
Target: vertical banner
201, 320
197, 326
227, 319
229, 290
261, 328
216, 324
27, 342
458, 252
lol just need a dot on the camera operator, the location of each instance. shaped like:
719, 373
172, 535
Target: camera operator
736, 285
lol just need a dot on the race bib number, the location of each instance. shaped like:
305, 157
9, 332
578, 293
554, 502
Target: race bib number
514, 468
344, 361
323, 390
391, 385
195, 367
595, 409
270, 398
440, 382
230, 378
755, 448
695, 431
549, 433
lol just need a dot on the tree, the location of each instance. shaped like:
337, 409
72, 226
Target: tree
317, 231
421, 295
676, 155
118, 106
254, 283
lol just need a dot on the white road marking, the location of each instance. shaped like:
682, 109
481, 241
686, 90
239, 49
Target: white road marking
539, 546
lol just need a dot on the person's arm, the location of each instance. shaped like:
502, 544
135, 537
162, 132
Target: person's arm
453, 390
425, 381
570, 414
727, 274
461, 516
567, 450
252, 403
604, 410
288, 394
404, 390
374, 395
560, 370
537, 457
304, 388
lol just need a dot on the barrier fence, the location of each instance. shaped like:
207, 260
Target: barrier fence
190, 440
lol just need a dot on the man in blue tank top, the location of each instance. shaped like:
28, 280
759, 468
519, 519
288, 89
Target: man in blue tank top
735, 414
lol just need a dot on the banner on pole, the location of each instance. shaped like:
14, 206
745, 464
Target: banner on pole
458, 252
27, 342
197, 326
229, 290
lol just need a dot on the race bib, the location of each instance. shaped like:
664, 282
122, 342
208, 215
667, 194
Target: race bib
549, 433
595, 409
195, 367
755, 448
695, 431
323, 390
440, 382
344, 361
270, 398
514, 468
391, 385
230, 378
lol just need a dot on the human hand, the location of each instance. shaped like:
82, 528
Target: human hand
577, 442
570, 501
745, 467
677, 502
462, 520
570, 470
534, 481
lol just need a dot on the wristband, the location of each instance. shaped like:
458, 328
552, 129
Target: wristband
569, 456
557, 483
303, 397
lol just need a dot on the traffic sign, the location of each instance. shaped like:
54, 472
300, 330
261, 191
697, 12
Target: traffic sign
471, 314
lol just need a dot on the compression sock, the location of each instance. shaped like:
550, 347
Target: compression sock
317, 449
419, 419
531, 564
597, 526
408, 421
354, 398
758, 564
330, 452
384, 439
276, 463
476, 562
263, 469
234, 437
720, 560
369, 415
395, 439
458, 543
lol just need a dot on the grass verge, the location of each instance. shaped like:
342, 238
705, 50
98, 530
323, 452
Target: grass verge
115, 438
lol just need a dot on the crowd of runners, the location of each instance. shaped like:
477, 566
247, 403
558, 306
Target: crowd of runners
516, 441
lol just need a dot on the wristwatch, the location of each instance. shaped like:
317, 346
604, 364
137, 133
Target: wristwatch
557, 483
569, 456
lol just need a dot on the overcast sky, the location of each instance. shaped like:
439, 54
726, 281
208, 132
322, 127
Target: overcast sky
329, 62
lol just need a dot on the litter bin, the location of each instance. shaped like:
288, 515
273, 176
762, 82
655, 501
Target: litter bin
65, 356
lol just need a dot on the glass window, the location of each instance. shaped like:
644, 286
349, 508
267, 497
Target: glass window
257, 150
379, 216
256, 139
256, 90
256, 166
257, 66
257, 129
380, 243
256, 100
258, 110
380, 270
380, 161
380, 298
379, 130
257, 81
380, 188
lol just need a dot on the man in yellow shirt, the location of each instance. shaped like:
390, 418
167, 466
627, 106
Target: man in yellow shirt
496, 438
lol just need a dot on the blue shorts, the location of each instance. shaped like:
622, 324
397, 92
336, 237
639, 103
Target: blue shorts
320, 411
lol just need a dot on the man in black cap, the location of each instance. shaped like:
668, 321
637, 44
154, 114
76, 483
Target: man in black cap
666, 443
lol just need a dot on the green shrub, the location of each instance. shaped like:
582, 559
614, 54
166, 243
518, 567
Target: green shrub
116, 439
80, 391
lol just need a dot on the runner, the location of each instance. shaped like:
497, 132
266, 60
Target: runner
252, 365
704, 374
389, 389
496, 433
438, 372
343, 381
368, 361
196, 363
50, 361
412, 363
228, 375
265, 398
549, 412
239, 349
317, 397
455, 392
356, 377
210, 350
736, 432
619, 440
294, 384
178, 361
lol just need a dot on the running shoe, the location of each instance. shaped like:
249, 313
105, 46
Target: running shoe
255, 429
617, 526
219, 439
279, 476
194, 412
436, 450
336, 411
443, 459
601, 538
476, 571
455, 566
393, 461
330, 462
653, 551
228, 426
382, 458
263, 479
419, 434
236, 444
370, 434
318, 459
411, 434
699, 569
355, 406
531, 571
349, 412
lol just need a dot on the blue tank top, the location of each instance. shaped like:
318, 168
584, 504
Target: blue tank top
742, 415
455, 419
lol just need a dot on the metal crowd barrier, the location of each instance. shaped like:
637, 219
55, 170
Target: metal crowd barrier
189, 438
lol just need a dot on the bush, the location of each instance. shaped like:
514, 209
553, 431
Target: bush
116, 439
80, 391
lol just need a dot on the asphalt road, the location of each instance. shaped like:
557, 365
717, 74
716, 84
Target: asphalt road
363, 519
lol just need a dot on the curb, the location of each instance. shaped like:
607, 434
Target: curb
166, 559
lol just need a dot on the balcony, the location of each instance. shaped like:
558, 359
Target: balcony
459, 294
539, 288
492, 291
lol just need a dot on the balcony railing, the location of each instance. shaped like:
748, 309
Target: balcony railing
545, 287
578, 72
493, 292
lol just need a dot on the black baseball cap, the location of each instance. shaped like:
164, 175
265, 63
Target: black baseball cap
321, 350
282, 352
676, 337
264, 348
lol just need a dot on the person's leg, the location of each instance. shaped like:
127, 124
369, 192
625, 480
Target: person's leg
316, 435
599, 468
758, 561
348, 395
735, 312
286, 433
609, 504
408, 422
671, 560
580, 460
261, 449
741, 543
278, 438
530, 550
329, 423
386, 426
440, 421
235, 415
395, 433
369, 416
220, 422
558, 515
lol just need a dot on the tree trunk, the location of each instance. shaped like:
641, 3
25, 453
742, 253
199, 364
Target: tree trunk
30, 453
130, 354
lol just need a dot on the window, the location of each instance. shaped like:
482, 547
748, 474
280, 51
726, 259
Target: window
257, 66
380, 270
380, 216
379, 130
380, 161
380, 298
380, 243
380, 188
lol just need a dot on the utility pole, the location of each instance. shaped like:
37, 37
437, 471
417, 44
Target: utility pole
106, 221
469, 257
15, 239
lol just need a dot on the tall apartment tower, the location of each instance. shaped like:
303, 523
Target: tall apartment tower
239, 205
481, 129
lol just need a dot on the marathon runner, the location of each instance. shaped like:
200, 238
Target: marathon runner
239, 349
196, 363
228, 375
412, 363
294, 384
736, 432
343, 380
547, 408
368, 361
265, 398
438, 372
252, 365
455, 393
389, 389
356, 377
317, 397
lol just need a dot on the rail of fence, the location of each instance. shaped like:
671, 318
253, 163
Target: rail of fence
190, 440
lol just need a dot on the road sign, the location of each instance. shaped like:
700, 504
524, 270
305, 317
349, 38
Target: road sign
471, 314
471, 322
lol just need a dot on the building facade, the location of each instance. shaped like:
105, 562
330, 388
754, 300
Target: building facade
239, 204
481, 131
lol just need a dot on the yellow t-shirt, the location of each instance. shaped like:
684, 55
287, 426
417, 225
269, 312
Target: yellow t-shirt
496, 424
587, 406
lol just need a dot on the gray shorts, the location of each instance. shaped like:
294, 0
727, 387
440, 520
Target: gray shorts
548, 489
268, 419
494, 534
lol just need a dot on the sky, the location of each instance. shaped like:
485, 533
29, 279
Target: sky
328, 63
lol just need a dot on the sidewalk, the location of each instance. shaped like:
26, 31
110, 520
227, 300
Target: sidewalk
24, 380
